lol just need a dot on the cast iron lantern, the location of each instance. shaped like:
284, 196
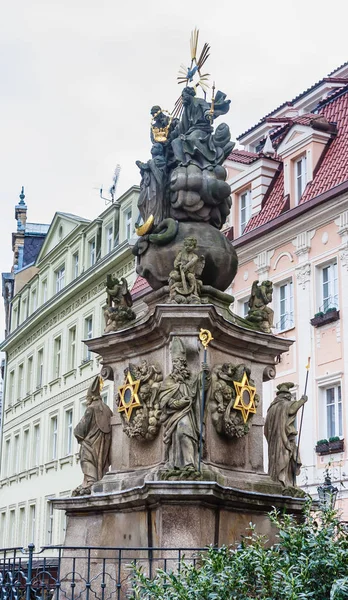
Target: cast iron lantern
327, 493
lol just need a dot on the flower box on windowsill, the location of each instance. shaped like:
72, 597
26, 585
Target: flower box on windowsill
329, 446
322, 318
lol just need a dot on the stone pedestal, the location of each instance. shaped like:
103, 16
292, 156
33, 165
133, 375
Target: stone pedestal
131, 506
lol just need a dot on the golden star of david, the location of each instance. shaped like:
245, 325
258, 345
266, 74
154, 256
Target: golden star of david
129, 398
245, 399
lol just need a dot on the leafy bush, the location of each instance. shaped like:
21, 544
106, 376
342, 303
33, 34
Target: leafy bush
321, 442
335, 438
309, 561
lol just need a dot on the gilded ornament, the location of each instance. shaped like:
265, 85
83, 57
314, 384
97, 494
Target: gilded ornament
205, 337
128, 394
245, 399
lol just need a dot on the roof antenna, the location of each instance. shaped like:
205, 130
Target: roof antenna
112, 190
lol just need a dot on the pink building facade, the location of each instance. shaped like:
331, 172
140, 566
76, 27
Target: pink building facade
289, 224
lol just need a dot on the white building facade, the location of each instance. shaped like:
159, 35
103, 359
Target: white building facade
48, 367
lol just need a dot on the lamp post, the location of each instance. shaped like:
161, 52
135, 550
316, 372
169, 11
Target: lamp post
327, 493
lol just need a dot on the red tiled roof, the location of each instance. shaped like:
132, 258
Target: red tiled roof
140, 285
332, 171
242, 156
330, 78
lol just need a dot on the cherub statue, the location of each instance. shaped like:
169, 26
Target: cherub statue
119, 302
259, 313
184, 283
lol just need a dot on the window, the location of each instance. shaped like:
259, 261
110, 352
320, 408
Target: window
333, 412
50, 523
329, 292
39, 374
88, 334
7, 457
32, 523
72, 348
300, 177
20, 381
29, 374
21, 537
25, 450
34, 300
109, 238
75, 265
128, 224
60, 277
12, 524
2, 529
244, 209
57, 349
69, 431
24, 309
44, 291
105, 398
285, 306
16, 454
54, 438
11, 388
36, 445
245, 308
92, 252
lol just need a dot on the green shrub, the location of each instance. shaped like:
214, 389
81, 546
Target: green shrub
309, 562
320, 442
335, 438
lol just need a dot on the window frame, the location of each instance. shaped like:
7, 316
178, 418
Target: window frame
60, 278
246, 209
284, 320
301, 179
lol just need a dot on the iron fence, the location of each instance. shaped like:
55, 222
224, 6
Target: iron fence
82, 573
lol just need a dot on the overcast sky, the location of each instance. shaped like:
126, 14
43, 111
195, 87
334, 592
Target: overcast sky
78, 78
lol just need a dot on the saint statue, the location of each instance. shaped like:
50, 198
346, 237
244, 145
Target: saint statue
180, 404
93, 433
284, 461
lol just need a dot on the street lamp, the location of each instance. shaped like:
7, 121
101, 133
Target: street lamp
327, 493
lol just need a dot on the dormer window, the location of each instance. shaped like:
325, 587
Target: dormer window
60, 276
300, 177
244, 209
92, 252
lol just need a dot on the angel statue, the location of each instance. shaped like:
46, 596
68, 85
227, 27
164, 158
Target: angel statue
119, 301
259, 313
184, 283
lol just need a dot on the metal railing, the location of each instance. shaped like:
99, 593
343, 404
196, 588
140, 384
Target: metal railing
83, 573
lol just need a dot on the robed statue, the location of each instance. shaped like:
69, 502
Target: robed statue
180, 404
93, 433
284, 461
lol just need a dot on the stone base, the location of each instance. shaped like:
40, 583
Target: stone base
186, 514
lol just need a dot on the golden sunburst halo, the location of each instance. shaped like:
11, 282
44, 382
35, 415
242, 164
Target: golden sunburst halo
129, 398
245, 399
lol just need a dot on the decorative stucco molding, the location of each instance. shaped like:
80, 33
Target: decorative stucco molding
302, 242
303, 274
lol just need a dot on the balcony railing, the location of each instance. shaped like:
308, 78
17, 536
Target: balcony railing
83, 573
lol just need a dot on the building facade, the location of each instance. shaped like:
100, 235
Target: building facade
289, 224
58, 300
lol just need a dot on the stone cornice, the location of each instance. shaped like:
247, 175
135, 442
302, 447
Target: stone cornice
168, 320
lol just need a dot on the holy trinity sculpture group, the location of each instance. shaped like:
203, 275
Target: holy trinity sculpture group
183, 203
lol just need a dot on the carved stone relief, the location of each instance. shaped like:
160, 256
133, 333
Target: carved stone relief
139, 401
233, 399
